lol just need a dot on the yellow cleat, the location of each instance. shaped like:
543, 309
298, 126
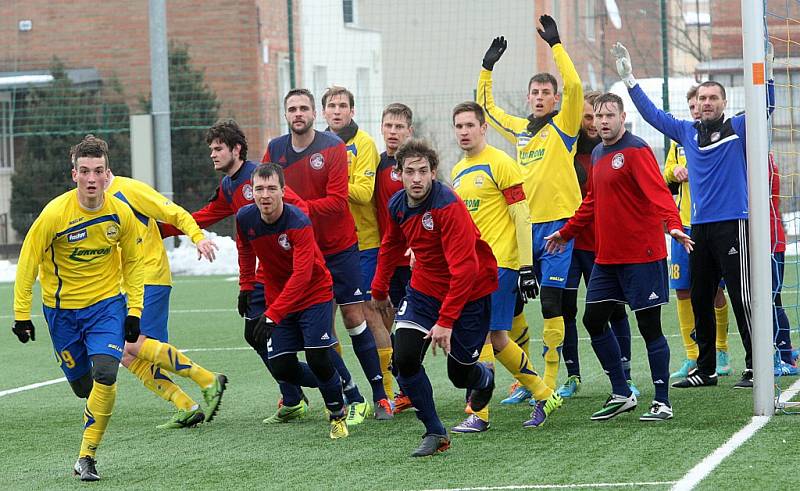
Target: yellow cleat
339, 427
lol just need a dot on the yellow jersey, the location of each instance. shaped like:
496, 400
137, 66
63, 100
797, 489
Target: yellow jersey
676, 156
546, 158
74, 252
362, 165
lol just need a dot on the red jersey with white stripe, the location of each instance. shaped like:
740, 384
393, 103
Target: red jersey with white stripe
388, 181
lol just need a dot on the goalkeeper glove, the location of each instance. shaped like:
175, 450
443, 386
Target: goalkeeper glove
131, 328
24, 330
624, 68
550, 31
528, 283
494, 52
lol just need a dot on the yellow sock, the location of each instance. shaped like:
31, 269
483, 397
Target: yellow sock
518, 363
385, 355
168, 357
99, 407
338, 348
553, 337
721, 315
487, 356
152, 378
519, 332
686, 324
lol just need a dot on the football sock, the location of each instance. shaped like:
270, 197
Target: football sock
168, 357
154, 379
517, 362
658, 355
331, 391
686, 324
99, 407
349, 387
570, 349
622, 330
385, 355
367, 354
418, 389
519, 332
553, 336
721, 315
486, 356
607, 350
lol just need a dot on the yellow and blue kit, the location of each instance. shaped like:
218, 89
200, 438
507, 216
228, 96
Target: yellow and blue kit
676, 157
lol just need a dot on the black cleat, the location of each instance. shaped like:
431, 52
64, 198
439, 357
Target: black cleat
479, 398
85, 467
746, 382
696, 379
431, 444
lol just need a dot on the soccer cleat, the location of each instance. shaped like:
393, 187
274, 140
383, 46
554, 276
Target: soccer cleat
724, 364
473, 424
746, 381
658, 412
213, 395
795, 355
184, 419
685, 369
401, 403
614, 405
358, 412
85, 467
786, 370
339, 427
570, 386
696, 379
305, 398
542, 410
284, 414
517, 394
431, 444
633, 388
383, 410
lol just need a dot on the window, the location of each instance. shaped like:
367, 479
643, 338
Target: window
589, 18
284, 83
349, 11
320, 75
6, 140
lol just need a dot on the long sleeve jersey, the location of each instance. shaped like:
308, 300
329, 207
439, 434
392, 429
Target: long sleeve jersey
584, 241
74, 252
388, 182
629, 203
362, 164
675, 157
297, 277
551, 185
453, 264
318, 175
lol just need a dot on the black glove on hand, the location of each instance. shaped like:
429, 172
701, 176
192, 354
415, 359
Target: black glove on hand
24, 330
263, 330
494, 52
244, 300
131, 328
550, 31
528, 283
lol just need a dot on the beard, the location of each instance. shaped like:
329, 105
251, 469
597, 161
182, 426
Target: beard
304, 129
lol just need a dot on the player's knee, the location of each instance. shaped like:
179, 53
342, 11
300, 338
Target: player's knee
551, 302
458, 373
649, 322
104, 369
352, 315
83, 386
285, 367
594, 321
249, 326
619, 312
319, 360
569, 304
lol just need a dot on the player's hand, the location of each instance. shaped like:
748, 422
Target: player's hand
132, 328
24, 330
411, 258
528, 283
383, 307
769, 62
263, 330
683, 239
680, 173
244, 301
555, 243
205, 248
623, 62
495, 51
439, 336
550, 31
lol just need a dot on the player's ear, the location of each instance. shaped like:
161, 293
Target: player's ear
74, 175
411, 131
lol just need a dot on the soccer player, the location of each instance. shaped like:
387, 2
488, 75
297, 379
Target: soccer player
362, 163
582, 264
448, 302
297, 286
545, 143
72, 245
315, 166
490, 184
718, 183
680, 277
150, 355
629, 204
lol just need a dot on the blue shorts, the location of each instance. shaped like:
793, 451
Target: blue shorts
419, 311
369, 261
641, 286
307, 329
78, 334
504, 300
397, 286
680, 274
581, 267
345, 268
155, 314
256, 304
552, 269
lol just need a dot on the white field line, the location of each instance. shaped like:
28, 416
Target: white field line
560, 486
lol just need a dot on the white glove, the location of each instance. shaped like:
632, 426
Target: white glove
623, 60
769, 62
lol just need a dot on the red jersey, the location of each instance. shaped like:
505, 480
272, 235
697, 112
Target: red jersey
629, 203
453, 264
776, 233
585, 239
319, 175
297, 277
388, 181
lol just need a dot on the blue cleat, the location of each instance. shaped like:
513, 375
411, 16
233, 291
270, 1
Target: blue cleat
683, 371
542, 410
570, 386
519, 394
724, 364
634, 389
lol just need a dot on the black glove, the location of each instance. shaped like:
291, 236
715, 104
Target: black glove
263, 330
528, 283
494, 52
550, 32
24, 330
244, 300
131, 328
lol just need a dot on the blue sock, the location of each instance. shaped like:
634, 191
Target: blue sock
349, 387
482, 377
782, 340
418, 389
658, 354
332, 394
367, 354
607, 350
622, 330
569, 351
308, 379
292, 394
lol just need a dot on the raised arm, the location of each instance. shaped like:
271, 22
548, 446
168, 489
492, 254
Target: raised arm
509, 126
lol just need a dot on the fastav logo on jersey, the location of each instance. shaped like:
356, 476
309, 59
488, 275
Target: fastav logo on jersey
427, 221
618, 161
283, 241
316, 161
247, 192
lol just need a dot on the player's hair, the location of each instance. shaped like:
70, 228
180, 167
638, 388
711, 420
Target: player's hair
335, 90
417, 147
608, 98
714, 83
544, 78
470, 107
398, 109
692, 92
294, 92
90, 146
591, 96
227, 131
267, 170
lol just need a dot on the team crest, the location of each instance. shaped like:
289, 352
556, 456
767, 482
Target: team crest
395, 175
715, 136
427, 221
478, 181
112, 231
316, 161
544, 134
283, 241
618, 161
247, 192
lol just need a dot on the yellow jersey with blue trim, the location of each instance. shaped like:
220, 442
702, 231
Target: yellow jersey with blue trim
74, 252
480, 181
150, 206
683, 199
546, 158
362, 165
